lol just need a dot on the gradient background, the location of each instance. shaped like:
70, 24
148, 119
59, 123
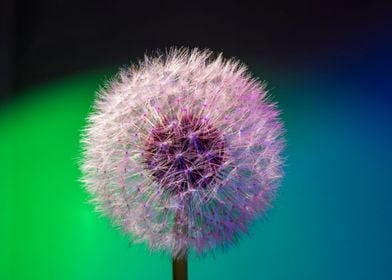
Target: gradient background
328, 67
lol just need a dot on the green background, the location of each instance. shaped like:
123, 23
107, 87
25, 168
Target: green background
331, 220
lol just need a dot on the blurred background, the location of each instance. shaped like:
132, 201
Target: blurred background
328, 65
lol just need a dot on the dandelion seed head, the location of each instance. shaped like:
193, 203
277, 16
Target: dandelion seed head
183, 151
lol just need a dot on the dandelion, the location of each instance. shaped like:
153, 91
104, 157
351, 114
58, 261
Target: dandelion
183, 151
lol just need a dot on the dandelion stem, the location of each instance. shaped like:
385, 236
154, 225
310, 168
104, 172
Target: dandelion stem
180, 268
180, 262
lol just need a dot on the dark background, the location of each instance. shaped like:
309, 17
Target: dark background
42, 40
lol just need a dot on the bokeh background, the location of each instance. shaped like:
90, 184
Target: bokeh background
327, 65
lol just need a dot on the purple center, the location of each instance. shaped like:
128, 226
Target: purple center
184, 153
